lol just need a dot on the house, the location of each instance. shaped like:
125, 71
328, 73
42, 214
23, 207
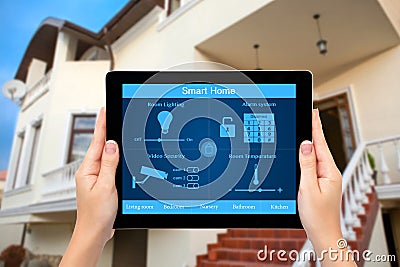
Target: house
355, 87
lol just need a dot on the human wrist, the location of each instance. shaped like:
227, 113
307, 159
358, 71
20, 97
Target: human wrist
85, 247
325, 240
91, 234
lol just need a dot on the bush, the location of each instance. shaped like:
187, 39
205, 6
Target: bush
13, 256
371, 160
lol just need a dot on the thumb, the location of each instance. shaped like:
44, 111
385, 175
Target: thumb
109, 162
308, 166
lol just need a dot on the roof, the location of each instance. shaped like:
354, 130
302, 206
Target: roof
43, 42
3, 175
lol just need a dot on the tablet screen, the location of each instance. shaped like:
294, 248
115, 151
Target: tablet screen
204, 148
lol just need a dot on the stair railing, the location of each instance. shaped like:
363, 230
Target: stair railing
357, 183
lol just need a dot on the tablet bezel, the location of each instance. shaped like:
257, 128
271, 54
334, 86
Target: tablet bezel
304, 87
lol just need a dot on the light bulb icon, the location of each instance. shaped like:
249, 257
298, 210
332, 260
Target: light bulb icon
164, 118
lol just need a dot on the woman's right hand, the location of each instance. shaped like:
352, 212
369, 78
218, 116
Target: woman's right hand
320, 194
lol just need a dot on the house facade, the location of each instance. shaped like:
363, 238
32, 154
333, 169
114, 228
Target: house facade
356, 89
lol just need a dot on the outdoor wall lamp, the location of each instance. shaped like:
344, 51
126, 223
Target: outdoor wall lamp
322, 44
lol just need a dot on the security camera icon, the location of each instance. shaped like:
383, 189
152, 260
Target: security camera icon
149, 172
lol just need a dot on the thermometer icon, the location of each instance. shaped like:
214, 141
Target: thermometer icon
255, 177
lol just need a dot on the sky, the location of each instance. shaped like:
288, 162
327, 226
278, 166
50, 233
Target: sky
19, 20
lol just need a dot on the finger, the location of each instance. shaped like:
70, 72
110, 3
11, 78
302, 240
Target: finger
326, 164
308, 165
91, 162
109, 163
112, 233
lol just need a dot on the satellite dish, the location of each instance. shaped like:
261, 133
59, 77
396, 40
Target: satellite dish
14, 90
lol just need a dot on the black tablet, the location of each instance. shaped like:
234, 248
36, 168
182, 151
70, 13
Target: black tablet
208, 149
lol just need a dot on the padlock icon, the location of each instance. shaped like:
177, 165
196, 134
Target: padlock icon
209, 150
225, 129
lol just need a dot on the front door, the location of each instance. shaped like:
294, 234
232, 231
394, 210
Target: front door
338, 128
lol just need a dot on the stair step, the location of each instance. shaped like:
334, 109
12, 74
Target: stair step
299, 233
363, 218
243, 255
221, 236
259, 243
371, 197
213, 246
366, 207
353, 245
359, 232
201, 257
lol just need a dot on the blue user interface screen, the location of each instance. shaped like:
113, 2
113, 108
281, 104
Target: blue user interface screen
209, 149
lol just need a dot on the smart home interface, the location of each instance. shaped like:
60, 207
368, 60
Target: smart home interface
207, 148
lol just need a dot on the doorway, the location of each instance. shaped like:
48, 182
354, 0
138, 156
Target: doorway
130, 248
390, 236
338, 127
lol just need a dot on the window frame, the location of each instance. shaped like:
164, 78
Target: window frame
74, 131
37, 130
20, 144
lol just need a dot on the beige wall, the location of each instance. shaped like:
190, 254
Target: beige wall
375, 88
49, 239
53, 239
178, 248
173, 41
37, 69
10, 234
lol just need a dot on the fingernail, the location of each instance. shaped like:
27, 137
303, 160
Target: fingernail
306, 147
111, 147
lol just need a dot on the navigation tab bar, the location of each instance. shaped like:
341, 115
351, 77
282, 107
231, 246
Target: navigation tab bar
214, 207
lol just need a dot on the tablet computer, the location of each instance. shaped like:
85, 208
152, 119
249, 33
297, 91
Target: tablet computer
208, 149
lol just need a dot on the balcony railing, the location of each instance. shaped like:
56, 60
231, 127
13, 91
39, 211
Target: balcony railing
357, 183
59, 184
36, 91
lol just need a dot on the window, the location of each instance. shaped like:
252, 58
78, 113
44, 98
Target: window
173, 5
81, 135
36, 134
20, 142
24, 155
